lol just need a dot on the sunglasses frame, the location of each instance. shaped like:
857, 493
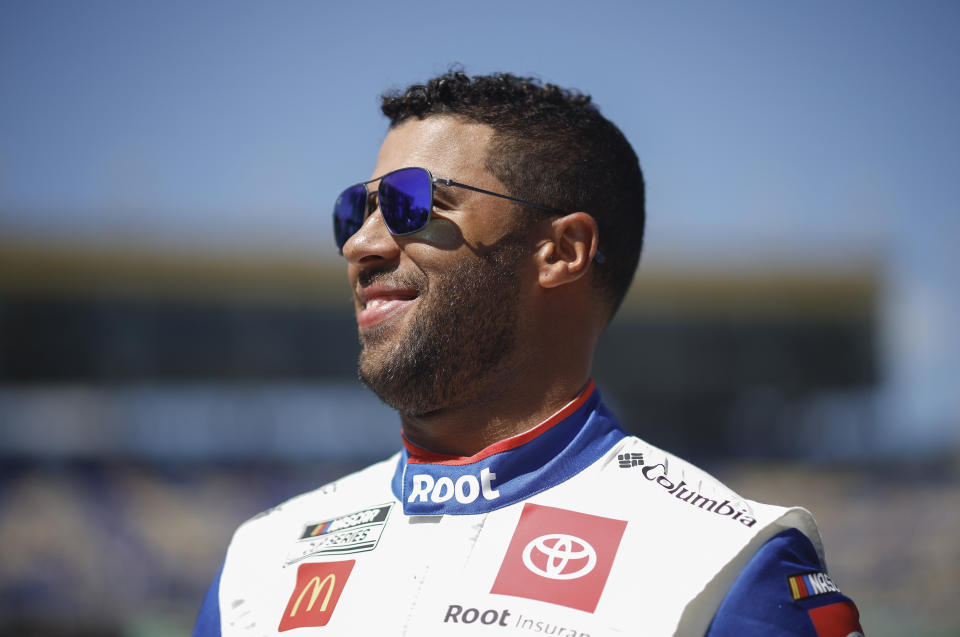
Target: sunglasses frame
432, 181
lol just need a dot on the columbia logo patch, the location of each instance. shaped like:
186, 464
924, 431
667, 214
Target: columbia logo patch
627, 460
811, 584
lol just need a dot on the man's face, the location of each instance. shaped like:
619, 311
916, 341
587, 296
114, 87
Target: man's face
437, 310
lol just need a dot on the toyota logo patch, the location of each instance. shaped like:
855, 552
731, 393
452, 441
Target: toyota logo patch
559, 556
563, 556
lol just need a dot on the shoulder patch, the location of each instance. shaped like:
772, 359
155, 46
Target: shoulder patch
810, 584
836, 620
351, 533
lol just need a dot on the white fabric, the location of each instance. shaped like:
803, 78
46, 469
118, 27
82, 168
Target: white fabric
674, 563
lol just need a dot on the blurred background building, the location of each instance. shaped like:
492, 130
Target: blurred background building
177, 344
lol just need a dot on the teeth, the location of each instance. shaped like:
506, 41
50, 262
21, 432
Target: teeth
372, 303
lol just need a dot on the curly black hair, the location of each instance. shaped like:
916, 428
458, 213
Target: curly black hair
551, 145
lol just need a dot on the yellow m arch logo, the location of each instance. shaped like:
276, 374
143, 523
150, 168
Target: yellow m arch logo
317, 586
315, 594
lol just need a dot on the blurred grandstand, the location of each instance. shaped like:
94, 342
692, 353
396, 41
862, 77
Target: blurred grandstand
150, 401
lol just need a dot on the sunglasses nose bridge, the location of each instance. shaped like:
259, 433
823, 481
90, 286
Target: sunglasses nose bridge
372, 241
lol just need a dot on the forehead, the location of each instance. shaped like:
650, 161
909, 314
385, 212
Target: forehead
447, 146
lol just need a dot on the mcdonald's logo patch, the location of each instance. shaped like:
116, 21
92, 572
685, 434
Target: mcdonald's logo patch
316, 594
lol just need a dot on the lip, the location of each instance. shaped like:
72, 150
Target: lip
379, 303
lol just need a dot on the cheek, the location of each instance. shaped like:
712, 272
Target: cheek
440, 233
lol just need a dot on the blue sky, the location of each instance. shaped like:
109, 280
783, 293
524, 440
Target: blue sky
768, 131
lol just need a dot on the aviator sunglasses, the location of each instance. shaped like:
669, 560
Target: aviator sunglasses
405, 199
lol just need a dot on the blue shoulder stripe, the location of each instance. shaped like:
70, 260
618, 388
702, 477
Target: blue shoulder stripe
784, 590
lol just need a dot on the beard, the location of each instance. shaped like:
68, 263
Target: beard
459, 339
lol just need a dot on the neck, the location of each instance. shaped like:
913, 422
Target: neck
464, 430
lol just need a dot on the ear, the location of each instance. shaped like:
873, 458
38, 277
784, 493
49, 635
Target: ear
565, 254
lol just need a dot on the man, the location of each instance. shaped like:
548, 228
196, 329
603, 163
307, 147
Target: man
495, 240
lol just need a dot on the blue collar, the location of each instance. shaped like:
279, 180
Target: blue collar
511, 470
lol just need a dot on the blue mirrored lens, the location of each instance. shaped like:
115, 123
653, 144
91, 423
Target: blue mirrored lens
349, 212
405, 200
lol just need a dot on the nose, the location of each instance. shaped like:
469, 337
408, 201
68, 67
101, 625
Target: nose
371, 243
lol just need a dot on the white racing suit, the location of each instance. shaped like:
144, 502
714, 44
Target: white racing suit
572, 529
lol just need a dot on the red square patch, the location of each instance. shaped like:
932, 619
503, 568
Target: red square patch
836, 620
560, 557
316, 594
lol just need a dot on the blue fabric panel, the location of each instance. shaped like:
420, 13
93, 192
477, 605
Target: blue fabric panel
760, 601
208, 620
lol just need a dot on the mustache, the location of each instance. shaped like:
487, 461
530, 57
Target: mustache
367, 278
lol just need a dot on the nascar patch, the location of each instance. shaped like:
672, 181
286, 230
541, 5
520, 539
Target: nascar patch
352, 533
812, 584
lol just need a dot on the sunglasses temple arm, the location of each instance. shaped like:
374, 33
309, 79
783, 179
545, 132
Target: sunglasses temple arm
456, 184
599, 257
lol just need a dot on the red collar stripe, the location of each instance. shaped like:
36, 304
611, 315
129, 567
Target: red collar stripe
423, 456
